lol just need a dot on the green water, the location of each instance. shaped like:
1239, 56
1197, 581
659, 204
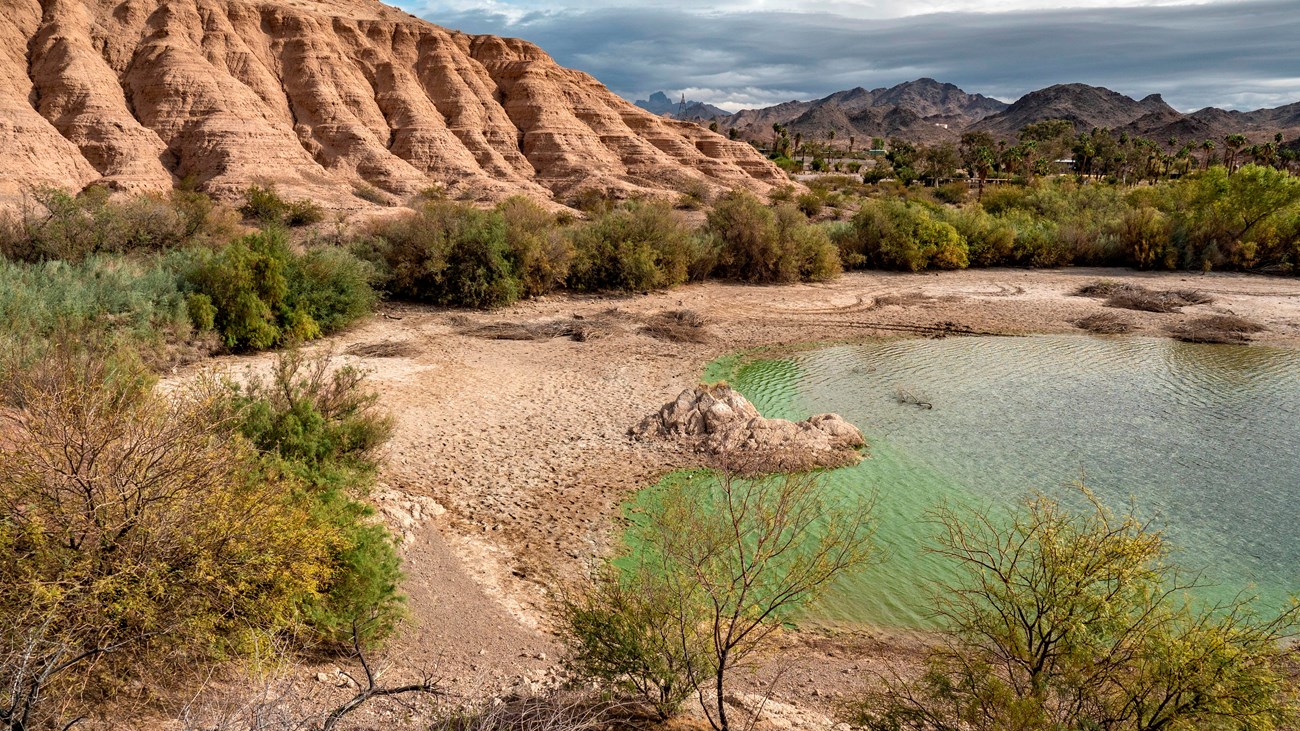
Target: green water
1203, 438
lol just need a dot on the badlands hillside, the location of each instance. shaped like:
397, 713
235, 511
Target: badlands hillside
321, 98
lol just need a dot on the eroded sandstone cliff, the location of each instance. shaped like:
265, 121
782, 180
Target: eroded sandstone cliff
320, 97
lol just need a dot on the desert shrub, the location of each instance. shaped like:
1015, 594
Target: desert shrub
794, 166
331, 286
901, 235
782, 194
638, 246
593, 202
322, 429
266, 207
761, 244
1036, 243
1065, 619
810, 203
806, 252
137, 535
61, 226
444, 252
540, 253
1146, 237
625, 633
990, 241
246, 284
951, 193
137, 297
1001, 198
261, 294
371, 194
695, 195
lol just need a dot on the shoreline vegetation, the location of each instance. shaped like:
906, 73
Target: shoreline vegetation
125, 573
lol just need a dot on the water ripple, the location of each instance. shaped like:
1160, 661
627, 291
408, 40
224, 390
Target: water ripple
1202, 437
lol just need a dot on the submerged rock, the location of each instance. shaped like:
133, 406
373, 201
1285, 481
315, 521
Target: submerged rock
720, 423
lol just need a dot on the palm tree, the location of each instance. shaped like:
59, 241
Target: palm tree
1234, 143
1208, 146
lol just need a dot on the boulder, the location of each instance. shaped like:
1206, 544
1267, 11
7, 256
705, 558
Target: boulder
721, 424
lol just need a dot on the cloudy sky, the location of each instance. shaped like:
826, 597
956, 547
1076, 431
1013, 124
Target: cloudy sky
1236, 54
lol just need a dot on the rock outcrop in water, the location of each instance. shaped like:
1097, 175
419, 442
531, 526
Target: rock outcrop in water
320, 97
720, 423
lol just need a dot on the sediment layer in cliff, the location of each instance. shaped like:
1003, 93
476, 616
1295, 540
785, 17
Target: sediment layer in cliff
322, 97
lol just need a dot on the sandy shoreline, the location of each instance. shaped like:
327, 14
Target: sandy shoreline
510, 457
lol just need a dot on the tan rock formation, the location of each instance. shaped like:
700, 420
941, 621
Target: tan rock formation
317, 97
720, 423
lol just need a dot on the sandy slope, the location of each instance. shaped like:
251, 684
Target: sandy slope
523, 444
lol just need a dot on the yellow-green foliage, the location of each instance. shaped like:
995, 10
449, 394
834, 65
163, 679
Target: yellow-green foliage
258, 293
1063, 619
541, 255
638, 246
138, 529
59, 226
320, 427
902, 235
757, 243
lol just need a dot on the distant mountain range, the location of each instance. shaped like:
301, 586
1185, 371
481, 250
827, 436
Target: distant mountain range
926, 110
660, 104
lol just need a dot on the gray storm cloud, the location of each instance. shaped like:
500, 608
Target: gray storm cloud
1237, 55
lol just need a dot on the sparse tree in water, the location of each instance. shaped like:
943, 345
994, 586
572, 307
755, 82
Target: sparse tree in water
753, 552
722, 566
1076, 619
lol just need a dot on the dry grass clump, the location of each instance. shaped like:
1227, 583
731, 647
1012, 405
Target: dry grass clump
1135, 297
577, 328
385, 349
1222, 329
1104, 323
677, 326
906, 299
552, 710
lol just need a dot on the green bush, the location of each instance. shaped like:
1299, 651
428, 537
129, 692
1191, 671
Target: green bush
1036, 240
639, 246
260, 294
174, 550
810, 203
331, 286
990, 241
902, 235
246, 284
760, 244
321, 427
100, 297
952, 193
623, 633
1147, 239
64, 227
267, 208
447, 253
540, 253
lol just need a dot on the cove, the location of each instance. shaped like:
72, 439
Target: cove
1200, 439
